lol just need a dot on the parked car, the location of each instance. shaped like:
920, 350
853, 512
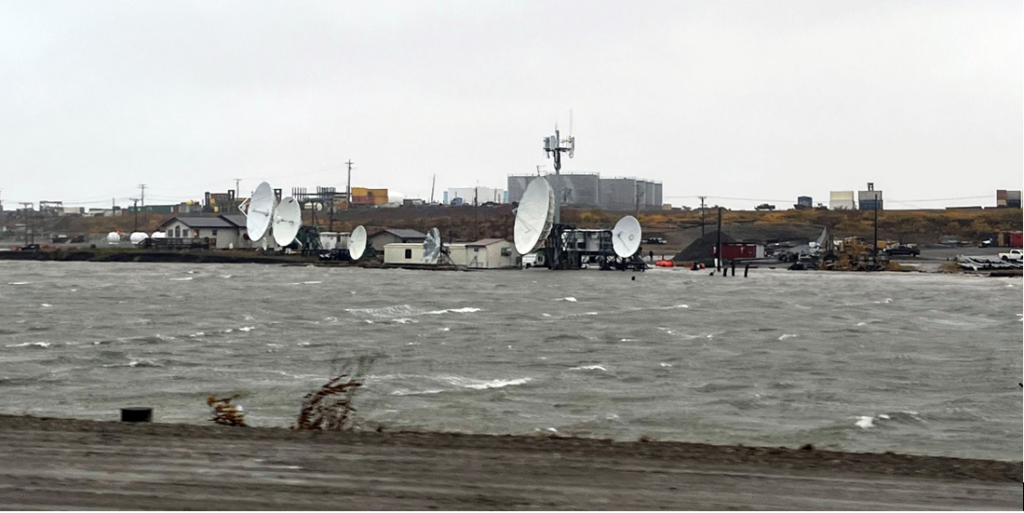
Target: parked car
903, 250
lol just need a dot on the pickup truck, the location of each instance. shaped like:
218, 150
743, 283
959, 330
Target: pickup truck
1013, 254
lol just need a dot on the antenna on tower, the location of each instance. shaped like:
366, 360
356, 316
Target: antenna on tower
555, 146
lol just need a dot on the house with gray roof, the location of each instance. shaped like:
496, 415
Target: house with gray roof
224, 231
381, 238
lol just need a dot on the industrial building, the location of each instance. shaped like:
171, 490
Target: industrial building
1007, 199
841, 200
870, 199
592, 191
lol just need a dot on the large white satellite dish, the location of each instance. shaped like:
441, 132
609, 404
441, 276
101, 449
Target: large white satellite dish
626, 237
261, 208
287, 220
432, 246
535, 215
357, 243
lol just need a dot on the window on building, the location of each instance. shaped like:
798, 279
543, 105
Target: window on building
408, 254
177, 232
214, 233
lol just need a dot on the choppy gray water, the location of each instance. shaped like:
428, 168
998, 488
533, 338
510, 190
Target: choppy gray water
912, 363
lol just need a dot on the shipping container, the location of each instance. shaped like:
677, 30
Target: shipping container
739, 250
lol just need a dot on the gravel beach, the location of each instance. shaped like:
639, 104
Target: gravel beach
62, 463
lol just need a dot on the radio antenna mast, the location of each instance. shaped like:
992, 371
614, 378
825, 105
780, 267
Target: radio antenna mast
555, 145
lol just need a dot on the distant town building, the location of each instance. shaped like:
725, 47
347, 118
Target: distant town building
223, 202
369, 197
841, 200
1008, 199
870, 199
804, 202
187, 207
468, 195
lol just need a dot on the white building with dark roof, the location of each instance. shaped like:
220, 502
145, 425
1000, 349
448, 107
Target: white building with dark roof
224, 231
382, 238
482, 254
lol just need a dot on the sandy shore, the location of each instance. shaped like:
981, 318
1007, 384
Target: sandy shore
61, 463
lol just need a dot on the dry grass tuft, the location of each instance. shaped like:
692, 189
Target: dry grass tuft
330, 408
225, 413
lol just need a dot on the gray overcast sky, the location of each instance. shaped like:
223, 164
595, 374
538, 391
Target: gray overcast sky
743, 101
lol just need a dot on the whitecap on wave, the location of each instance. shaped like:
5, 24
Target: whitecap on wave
387, 311
589, 367
43, 345
135, 363
477, 384
569, 299
416, 392
468, 309
902, 417
788, 335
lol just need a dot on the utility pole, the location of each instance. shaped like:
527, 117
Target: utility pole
718, 252
875, 248
702, 216
25, 208
238, 189
142, 197
348, 190
476, 210
330, 224
433, 181
136, 209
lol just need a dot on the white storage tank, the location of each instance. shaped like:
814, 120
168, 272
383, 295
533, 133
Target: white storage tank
113, 238
138, 237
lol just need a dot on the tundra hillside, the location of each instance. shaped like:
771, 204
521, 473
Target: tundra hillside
470, 223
